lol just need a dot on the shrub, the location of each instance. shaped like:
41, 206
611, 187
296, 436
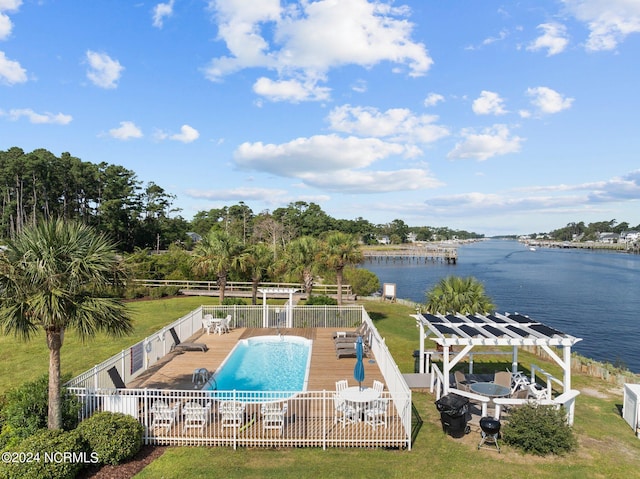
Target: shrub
232, 301
48, 455
114, 437
539, 430
25, 411
321, 300
363, 282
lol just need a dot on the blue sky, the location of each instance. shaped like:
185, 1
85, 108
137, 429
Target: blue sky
494, 117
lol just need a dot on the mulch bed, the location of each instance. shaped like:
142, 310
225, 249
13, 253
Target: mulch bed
128, 469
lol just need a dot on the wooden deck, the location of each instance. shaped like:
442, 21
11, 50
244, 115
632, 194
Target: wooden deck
175, 371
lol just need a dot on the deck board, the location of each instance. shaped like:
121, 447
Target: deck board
176, 369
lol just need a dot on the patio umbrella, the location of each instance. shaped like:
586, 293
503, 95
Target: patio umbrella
358, 370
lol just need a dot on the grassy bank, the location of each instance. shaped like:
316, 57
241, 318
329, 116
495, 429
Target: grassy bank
608, 448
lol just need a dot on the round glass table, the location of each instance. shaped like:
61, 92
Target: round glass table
492, 390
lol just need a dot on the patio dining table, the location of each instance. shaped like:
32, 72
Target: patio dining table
355, 394
490, 389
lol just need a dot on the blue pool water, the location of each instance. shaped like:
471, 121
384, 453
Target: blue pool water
265, 363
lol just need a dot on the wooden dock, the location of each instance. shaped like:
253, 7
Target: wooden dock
412, 254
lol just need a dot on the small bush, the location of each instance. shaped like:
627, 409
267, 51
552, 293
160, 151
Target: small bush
47, 455
26, 409
321, 300
232, 301
114, 437
539, 430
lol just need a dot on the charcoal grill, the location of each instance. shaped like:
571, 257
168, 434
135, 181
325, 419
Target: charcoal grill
490, 431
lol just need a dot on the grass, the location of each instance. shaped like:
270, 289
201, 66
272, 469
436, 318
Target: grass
607, 445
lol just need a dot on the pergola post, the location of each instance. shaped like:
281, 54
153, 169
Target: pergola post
514, 360
421, 361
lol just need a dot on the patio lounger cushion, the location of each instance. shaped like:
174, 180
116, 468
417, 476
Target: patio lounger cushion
179, 346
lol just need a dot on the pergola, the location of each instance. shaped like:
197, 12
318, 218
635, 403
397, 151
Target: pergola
288, 305
492, 330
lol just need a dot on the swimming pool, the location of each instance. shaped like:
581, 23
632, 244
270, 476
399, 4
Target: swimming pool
265, 363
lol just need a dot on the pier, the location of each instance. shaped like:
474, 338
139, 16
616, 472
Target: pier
418, 254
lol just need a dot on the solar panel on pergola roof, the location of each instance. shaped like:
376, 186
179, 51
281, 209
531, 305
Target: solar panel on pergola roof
508, 328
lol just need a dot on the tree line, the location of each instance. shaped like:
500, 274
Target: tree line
40, 185
588, 232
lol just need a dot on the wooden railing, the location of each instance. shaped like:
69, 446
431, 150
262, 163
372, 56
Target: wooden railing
237, 288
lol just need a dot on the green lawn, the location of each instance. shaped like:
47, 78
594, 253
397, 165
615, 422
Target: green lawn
608, 448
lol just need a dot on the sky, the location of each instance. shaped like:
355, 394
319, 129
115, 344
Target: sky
497, 117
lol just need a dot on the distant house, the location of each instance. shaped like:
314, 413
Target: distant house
630, 236
411, 237
195, 237
609, 238
384, 239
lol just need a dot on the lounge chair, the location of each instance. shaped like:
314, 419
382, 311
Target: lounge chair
348, 350
359, 331
179, 346
196, 416
115, 377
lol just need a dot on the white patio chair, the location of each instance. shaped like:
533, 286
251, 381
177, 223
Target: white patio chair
196, 416
273, 415
231, 413
538, 394
376, 414
341, 385
378, 386
207, 322
164, 416
344, 411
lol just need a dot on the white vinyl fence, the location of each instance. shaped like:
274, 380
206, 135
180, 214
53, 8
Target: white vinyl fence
309, 418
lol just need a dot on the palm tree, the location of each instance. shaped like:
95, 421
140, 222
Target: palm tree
458, 295
340, 250
301, 259
52, 277
257, 260
217, 253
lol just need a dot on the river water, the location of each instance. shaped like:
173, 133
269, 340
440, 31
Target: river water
593, 295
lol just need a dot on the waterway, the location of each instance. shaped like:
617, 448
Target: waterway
593, 295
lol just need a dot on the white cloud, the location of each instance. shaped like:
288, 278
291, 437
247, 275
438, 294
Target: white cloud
433, 99
225, 194
307, 39
554, 39
396, 124
363, 182
334, 163
290, 90
493, 141
549, 199
10, 71
39, 118
548, 101
488, 103
126, 131
5, 22
160, 11
187, 134
104, 71
609, 21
